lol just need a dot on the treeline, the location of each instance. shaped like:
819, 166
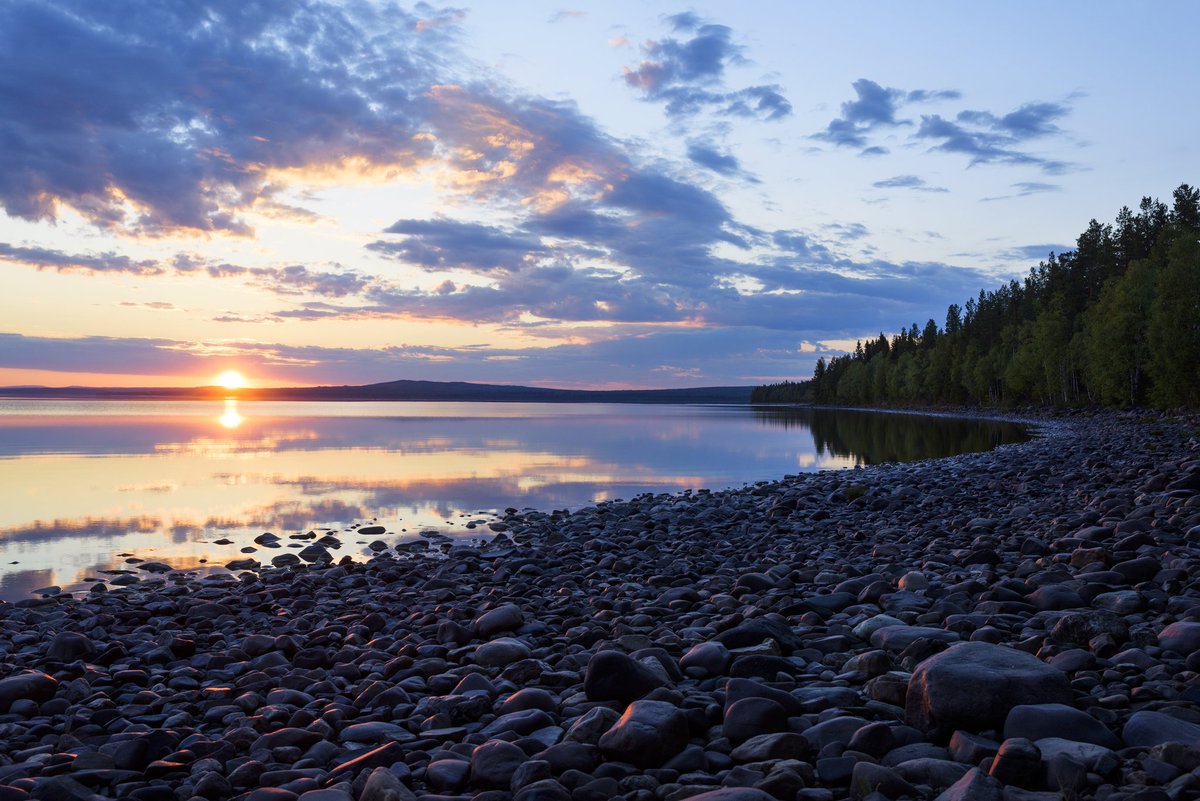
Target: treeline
1116, 322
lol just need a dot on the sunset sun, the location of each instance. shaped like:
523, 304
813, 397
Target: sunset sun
231, 379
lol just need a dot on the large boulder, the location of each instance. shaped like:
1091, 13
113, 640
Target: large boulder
973, 686
647, 735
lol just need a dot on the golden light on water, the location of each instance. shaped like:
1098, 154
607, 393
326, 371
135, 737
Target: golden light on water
231, 379
230, 417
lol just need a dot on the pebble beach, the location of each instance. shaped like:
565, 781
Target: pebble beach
1017, 624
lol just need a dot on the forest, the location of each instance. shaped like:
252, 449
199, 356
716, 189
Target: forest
1115, 322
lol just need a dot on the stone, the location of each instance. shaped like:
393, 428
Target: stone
1038, 721
971, 748
713, 658
448, 775
614, 676
780, 745
733, 794
1095, 758
1018, 762
1081, 627
752, 716
501, 652
67, 646
647, 735
868, 778
1147, 729
974, 685
37, 687
756, 631
974, 786
1182, 637
508, 617
591, 725
494, 763
383, 785
936, 773
897, 638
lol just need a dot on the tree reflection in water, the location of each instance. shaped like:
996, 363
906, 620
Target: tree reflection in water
876, 438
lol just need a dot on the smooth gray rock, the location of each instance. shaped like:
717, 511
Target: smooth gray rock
1182, 637
1154, 728
1038, 721
974, 685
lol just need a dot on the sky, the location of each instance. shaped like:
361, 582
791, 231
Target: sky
602, 195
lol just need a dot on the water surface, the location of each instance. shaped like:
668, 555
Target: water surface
84, 485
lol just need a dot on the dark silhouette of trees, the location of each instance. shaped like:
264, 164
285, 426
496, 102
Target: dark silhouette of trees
1114, 322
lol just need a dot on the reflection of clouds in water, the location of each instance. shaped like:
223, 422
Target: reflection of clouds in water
158, 486
20, 583
49, 530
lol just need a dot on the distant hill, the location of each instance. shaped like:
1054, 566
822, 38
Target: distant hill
395, 391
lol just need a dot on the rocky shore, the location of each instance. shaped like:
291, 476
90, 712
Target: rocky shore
1018, 624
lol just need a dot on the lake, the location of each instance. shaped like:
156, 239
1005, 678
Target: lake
86, 486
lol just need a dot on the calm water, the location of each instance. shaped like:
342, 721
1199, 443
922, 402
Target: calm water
85, 484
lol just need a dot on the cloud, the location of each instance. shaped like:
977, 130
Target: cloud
154, 305
147, 129
989, 139
874, 107
1033, 187
1025, 189
565, 15
726, 164
282, 280
443, 244
687, 74
908, 182
1033, 252
50, 259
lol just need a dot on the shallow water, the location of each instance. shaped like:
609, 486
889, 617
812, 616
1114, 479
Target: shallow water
84, 484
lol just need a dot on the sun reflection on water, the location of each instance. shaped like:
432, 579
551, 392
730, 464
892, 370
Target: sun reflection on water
230, 418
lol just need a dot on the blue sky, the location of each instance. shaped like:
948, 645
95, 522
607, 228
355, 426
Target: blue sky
609, 195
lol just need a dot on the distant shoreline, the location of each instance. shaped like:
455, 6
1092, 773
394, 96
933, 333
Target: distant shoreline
433, 391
